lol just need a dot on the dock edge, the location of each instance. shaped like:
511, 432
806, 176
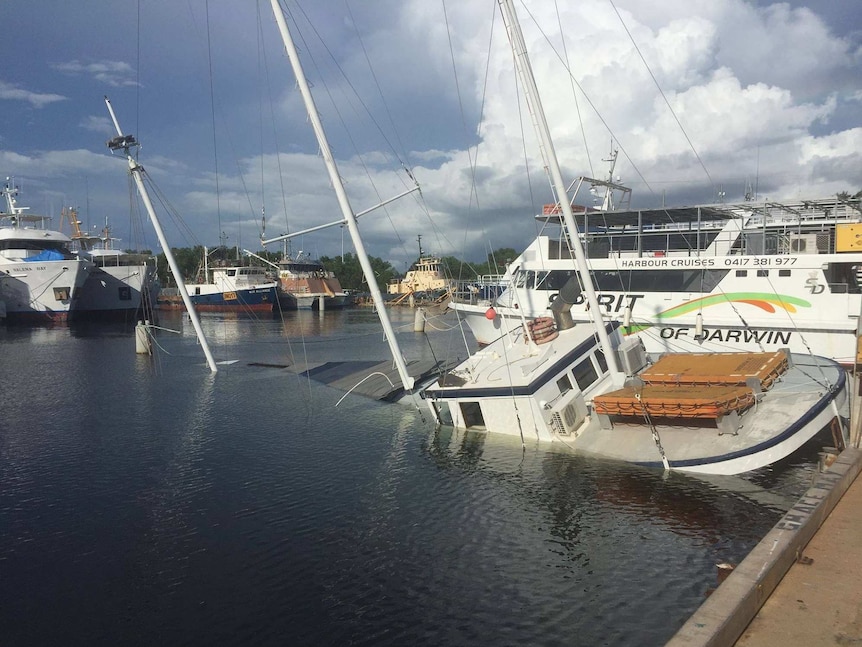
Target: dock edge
724, 616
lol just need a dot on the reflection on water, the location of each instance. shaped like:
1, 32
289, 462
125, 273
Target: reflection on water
147, 501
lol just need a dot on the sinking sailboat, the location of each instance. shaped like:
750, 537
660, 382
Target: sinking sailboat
551, 379
406, 375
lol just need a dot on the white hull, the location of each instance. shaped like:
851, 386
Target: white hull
805, 302
513, 388
41, 291
118, 289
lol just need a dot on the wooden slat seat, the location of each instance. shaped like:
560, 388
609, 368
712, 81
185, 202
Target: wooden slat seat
716, 368
669, 401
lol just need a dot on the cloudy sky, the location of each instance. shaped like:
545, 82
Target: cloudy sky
701, 98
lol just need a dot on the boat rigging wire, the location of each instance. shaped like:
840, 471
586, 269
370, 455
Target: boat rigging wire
661, 92
574, 93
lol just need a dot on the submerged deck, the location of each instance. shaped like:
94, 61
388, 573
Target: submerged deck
378, 380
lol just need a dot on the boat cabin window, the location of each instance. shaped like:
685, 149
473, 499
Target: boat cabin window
646, 280
742, 272
843, 278
564, 384
613, 241
472, 414
231, 272
783, 272
762, 273
585, 374
554, 280
444, 415
36, 246
600, 358
525, 279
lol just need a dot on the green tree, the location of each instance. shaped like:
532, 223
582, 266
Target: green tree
457, 269
188, 260
349, 271
497, 261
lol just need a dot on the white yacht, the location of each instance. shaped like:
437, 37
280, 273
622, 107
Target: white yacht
40, 277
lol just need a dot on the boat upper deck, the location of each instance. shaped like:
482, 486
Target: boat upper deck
829, 210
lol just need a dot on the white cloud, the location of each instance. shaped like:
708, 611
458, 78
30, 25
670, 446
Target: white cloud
763, 92
11, 92
112, 73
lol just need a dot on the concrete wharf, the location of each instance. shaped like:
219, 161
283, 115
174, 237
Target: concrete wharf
802, 584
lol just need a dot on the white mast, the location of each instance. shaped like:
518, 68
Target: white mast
522, 61
124, 143
341, 194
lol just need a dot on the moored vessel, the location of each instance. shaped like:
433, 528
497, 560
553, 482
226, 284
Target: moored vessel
40, 277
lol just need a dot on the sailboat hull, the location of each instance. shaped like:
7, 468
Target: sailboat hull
559, 391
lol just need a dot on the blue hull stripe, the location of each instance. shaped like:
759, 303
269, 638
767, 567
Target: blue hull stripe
243, 298
793, 429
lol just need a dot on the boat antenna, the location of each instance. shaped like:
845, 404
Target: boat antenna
534, 102
125, 143
340, 193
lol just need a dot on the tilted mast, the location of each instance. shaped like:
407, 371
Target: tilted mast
522, 61
341, 194
124, 143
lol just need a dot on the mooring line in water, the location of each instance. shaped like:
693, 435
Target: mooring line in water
655, 436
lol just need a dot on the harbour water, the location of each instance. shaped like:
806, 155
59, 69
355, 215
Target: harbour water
146, 501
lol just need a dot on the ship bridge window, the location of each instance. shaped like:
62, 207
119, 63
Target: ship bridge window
843, 278
564, 384
37, 246
669, 280
472, 414
554, 280
525, 279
